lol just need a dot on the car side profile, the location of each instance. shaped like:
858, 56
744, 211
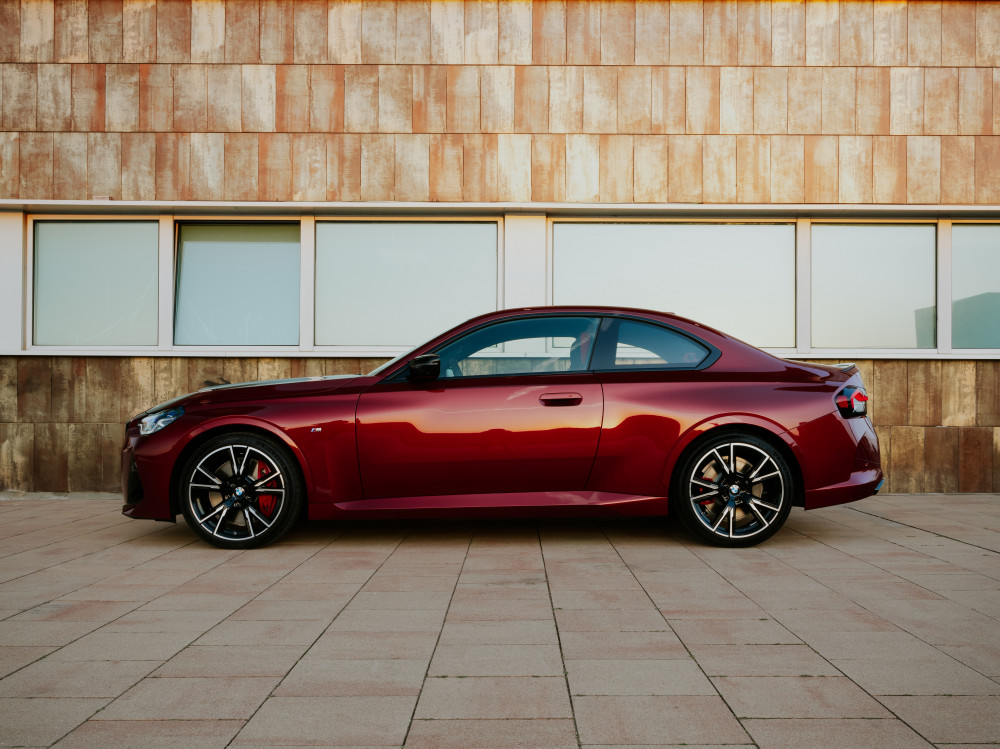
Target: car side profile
541, 411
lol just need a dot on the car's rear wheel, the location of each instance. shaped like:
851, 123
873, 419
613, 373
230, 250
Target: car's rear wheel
734, 489
239, 491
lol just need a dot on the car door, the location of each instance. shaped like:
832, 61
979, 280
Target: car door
514, 409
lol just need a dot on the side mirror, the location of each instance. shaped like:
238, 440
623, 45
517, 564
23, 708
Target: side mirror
424, 367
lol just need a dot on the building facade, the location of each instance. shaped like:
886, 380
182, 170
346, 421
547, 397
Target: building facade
197, 191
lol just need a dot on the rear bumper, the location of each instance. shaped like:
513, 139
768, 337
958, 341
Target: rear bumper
862, 483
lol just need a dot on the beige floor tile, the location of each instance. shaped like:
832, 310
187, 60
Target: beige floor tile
105, 645
152, 734
601, 599
761, 660
49, 678
334, 644
42, 721
507, 632
232, 660
314, 677
897, 645
286, 610
732, 632
910, 677
483, 734
950, 720
630, 677
14, 657
251, 632
328, 721
496, 660
494, 697
63, 610
656, 720
383, 620
424, 599
190, 698
983, 658
826, 734
797, 697
398, 583
621, 645
610, 620
21, 632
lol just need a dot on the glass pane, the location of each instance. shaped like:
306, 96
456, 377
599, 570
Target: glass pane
644, 346
975, 286
873, 286
95, 283
739, 278
546, 344
397, 283
237, 285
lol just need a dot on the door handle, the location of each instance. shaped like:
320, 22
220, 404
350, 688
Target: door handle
561, 399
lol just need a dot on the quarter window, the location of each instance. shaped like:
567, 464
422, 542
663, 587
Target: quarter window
975, 283
639, 345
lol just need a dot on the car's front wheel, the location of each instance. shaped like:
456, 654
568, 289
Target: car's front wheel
240, 490
733, 489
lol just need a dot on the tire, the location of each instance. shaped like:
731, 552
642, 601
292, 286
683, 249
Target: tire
731, 508
227, 497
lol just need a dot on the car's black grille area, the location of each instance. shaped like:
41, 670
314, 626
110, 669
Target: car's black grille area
133, 492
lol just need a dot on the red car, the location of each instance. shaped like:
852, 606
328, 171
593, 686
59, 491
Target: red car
529, 411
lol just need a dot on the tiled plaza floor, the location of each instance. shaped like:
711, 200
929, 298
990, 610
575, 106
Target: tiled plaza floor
869, 625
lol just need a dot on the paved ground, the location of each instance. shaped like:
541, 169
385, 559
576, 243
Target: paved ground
870, 625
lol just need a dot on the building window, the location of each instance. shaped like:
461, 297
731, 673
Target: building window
95, 283
739, 278
975, 286
237, 285
873, 286
399, 283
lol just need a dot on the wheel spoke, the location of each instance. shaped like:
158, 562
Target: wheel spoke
765, 478
757, 502
214, 487
209, 516
767, 458
732, 457
705, 484
722, 463
246, 519
264, 479
259, 517
706, 495
218, 524
757, 513
212, 476
243, 463
722, 516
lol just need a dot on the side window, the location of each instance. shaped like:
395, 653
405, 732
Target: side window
516, 347
639, 345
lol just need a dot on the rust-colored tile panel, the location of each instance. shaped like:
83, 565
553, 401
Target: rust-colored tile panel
891, 391
975, 459
987, 169
497, 101
291, 98
600, 100
479, 160
616, 167
721, 32
548, 32
583, 32
754, 18
446, 167
10, 44
583, 168
923, 169
787, 168
923, 33
139, 31
635, 99
344, 32
906, 101
884, 435
202, 372
482, 30
20, 95
669, 90
17, 447
515, 21
685, 168
821, 166
907, 451
71, 41
687, 32
69, 166
889, 168
514, 167
274, 166
770, 100
753, 169
274, 369
138, 166
54, 106
37, 31
941, 459
940, 101
719, 169
856, 175
430, 99
156, 98
548, 168
104, 388
343, 167
34, 388
958, 393
173, 31
788, 32
413, 167
976, 92
413, 32
138, 389
958, 169
531, 99
277, 32
104, 165
822, 32
702, 100
735, 101
190, 98
395, 98
208, 173
89, 83
448, 33
240, 370
258, 98
463, 98
8, 389
617, 32
857, 32
309, 39
111, 456
873, 101
308, 166
326, 98
225, 98
890, 32
987, 393
50, 461
958, 33
361, 98
241, 166
987, 34
105, 30
651, 169
169, 377
923, 393
242, 39
378, 32
839, 101
652, 32
805, 99
69, 388
122, 96
173, 166
35, 158
86, 466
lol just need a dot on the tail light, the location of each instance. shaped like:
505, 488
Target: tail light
852, 402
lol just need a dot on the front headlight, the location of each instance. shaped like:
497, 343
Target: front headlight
156, 422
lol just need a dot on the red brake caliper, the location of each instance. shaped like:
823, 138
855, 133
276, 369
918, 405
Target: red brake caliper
266, 501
